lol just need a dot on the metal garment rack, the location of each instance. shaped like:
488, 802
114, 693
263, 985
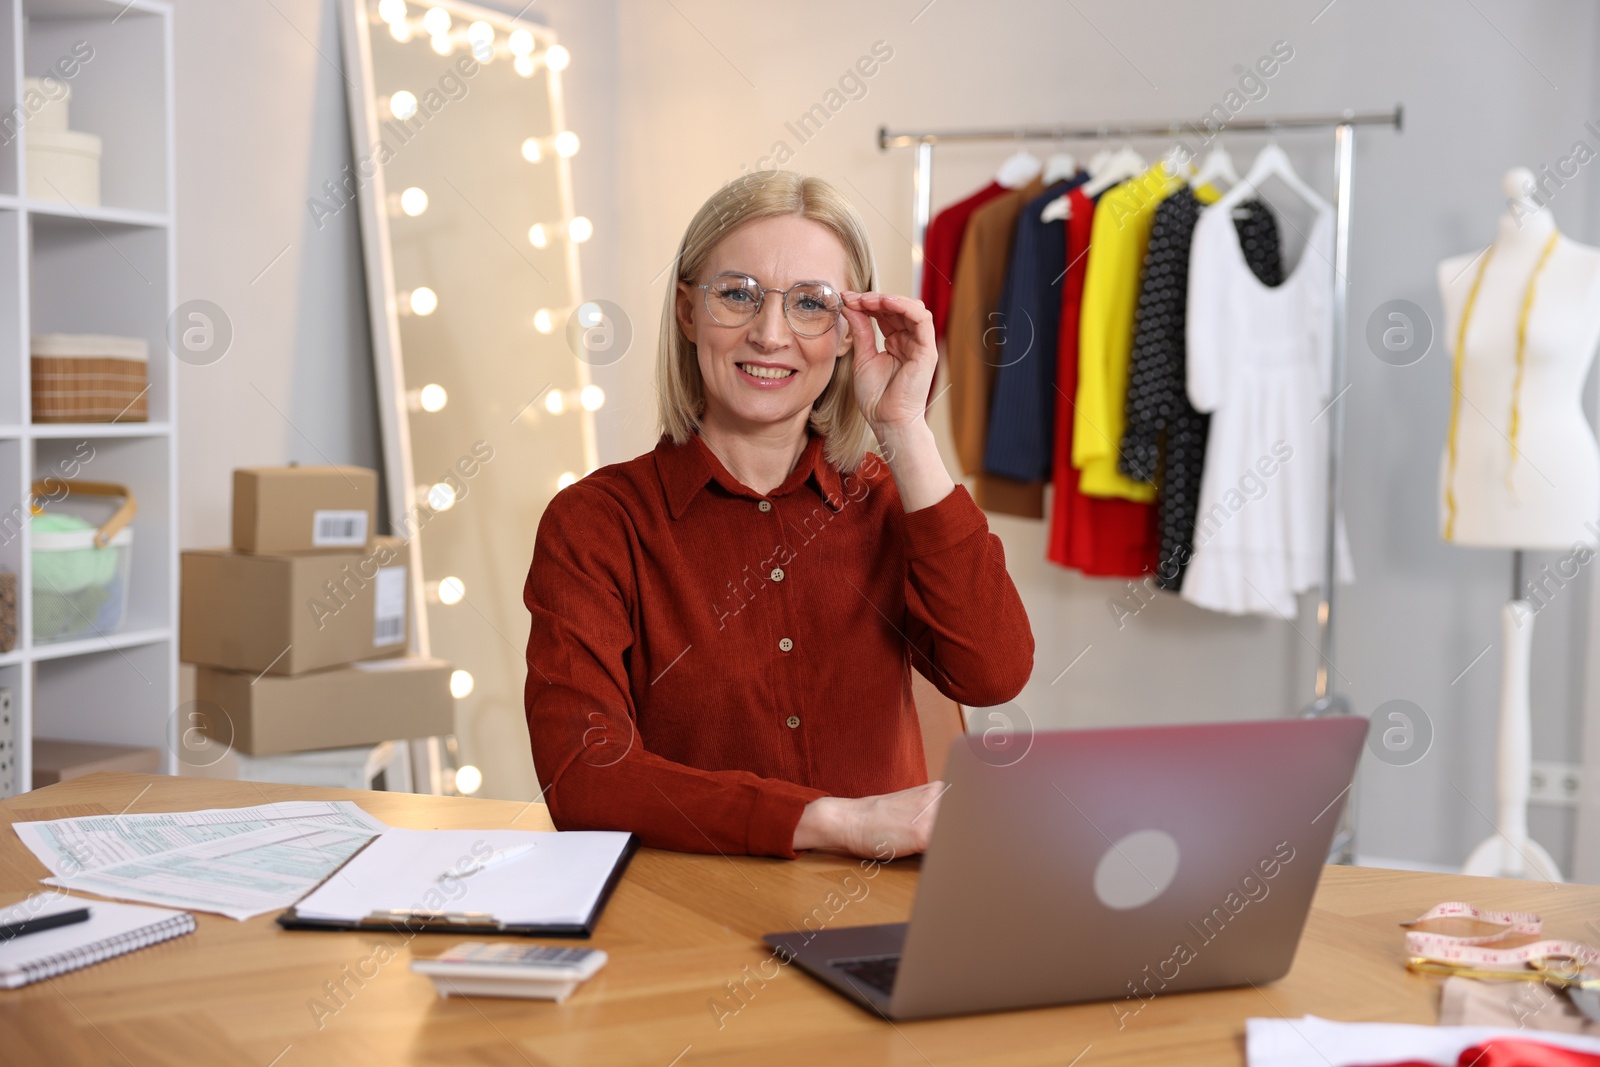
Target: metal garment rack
1325, 701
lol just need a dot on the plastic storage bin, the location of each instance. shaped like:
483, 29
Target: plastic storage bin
80, 569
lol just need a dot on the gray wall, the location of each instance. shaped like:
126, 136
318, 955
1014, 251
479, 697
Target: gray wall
261, 124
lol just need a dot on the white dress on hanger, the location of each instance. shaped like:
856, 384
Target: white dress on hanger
1259, 360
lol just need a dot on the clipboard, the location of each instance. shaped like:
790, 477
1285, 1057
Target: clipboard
422, 920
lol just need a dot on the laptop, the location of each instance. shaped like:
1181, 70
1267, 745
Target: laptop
1113, 865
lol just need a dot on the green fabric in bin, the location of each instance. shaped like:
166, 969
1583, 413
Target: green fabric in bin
73, 569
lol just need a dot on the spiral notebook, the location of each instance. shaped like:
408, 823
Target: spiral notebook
112, 930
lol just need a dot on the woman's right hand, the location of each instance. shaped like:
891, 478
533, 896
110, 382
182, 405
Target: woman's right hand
884, 826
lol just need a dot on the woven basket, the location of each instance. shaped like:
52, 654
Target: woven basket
8, 611
90, 378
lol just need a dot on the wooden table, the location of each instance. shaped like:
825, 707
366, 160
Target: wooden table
682, 931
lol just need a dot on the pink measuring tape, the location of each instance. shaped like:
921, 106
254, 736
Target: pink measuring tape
1475, 950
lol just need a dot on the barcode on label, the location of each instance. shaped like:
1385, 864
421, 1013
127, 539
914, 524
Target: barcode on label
389, 619
338, 529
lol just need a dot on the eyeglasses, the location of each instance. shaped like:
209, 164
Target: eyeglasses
811, 308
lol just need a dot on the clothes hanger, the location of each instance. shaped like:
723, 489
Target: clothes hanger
1217, 165
1059, 166
1124, 164
1273, 162
1176, 162
1098, 161
1018, 169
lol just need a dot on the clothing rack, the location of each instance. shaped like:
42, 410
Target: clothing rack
1325, 701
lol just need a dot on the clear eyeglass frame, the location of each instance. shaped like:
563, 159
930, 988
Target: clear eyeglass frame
814, 329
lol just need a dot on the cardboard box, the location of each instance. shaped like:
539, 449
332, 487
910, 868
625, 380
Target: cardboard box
303, 509
361, 704
292, 614
59, 761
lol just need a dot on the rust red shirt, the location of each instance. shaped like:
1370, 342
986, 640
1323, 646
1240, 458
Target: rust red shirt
706, 660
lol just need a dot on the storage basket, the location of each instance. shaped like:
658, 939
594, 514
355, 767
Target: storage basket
80, 569
64, 167
90, 378
8, 611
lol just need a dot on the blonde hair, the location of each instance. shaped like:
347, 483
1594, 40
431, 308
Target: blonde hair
765, 194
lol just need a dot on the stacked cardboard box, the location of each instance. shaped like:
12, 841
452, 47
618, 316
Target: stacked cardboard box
299, 629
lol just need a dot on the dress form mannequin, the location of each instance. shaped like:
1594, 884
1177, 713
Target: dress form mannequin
1525, 469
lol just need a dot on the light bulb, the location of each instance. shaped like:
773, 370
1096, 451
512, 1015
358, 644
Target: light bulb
592, 397
436, 21
520, 42
441, 497
433, 397
538, 236
451, 590
440, 43
414, 201
544, 320
400, 31
391, 10
460, 685
532, 150
566, 144
483, 53
523, 65
554, 402
557, 57
480, 33
423, 301
580, 229
468, 779
402, 105
566, 479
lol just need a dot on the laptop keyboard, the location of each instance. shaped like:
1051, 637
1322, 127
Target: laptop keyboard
875, 971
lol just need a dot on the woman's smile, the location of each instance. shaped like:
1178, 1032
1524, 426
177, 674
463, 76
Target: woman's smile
763, 375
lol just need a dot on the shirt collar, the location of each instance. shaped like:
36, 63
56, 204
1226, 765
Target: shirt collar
686, 469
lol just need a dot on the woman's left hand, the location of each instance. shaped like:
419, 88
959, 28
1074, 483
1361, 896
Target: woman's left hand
892, 383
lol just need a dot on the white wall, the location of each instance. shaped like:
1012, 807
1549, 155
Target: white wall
261, 125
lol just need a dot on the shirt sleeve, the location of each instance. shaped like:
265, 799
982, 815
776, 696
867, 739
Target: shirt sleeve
964, 618
1206, 318
582, 721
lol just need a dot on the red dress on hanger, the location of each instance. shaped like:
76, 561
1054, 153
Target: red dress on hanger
1100, 536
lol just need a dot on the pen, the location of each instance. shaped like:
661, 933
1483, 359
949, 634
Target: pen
499, 856
44, 922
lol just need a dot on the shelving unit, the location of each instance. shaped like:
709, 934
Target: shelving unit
93, 269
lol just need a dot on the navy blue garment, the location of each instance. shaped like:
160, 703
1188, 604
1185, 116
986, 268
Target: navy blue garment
1022, 408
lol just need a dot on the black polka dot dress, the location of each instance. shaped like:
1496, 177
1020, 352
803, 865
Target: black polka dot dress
1165, 439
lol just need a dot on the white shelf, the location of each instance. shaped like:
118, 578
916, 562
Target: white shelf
98, 643
104, 269
115, 216
96, 429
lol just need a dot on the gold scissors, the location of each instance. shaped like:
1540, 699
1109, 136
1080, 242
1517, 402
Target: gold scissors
1558, 971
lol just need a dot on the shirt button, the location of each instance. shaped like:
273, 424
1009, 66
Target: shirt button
777, 574
793, 722
784, 644
765, 505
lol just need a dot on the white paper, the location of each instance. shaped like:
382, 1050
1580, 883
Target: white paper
1314, 1042
389, 611
559, 882
72, 846
238, 876
334, 528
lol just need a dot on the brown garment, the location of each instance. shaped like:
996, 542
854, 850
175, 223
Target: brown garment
972, 353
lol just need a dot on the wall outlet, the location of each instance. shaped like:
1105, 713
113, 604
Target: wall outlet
1555, 783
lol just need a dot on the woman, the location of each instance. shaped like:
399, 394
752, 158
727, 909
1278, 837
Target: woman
724, 628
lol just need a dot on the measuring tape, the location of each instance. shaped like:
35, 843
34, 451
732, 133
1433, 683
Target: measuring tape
1475, 951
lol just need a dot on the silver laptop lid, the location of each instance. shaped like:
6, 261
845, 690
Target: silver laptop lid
1119, 864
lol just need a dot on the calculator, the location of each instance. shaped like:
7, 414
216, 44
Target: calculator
511, 969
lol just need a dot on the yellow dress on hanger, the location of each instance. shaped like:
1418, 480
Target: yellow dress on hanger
1117, 244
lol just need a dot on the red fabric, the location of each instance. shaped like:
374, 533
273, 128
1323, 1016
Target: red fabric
1513, 1052
1099, 536
658, 696
941, 247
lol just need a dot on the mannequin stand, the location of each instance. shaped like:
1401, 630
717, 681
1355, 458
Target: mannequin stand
1511, 853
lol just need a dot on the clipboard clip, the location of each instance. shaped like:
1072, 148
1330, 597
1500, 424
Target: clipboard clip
413, 917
